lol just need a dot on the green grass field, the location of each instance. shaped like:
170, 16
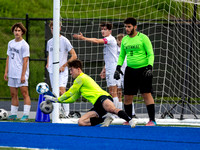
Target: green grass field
44, 8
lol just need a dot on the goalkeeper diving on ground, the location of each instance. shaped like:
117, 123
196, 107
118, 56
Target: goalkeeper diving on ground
103, 106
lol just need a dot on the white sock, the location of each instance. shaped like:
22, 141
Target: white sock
133, 109
120, 105
66, 107
14, 110
116, 101
27, 109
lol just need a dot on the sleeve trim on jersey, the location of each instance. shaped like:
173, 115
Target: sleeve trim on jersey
105, 40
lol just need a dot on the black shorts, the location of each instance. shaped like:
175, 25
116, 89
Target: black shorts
135, 80
98, 107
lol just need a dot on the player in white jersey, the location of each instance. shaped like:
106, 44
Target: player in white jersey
121, 80
110, 56
120, 84
17, 71
65, 48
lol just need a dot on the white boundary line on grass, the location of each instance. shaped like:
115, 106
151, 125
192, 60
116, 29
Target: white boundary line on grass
24, 148
190, 122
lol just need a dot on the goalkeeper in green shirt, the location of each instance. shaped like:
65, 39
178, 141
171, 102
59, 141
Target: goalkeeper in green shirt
103, 105
138, 49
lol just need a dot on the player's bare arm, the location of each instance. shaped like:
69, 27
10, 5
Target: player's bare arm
103, 73
25, 63
47, 65
73, 57
91, 40
6, 69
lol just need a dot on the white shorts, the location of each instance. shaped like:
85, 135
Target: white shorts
63, 78
14, 82
119, 83
122, 81
110, 78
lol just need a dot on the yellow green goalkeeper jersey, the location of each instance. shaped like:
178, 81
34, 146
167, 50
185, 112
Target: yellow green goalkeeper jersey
138, 49
83, 85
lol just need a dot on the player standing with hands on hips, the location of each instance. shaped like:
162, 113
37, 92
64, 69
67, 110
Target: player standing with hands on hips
17, 71
138, 74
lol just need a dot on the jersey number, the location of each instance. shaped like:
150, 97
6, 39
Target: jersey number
12, 55
131, 53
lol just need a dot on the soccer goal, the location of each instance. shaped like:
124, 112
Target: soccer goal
173, 27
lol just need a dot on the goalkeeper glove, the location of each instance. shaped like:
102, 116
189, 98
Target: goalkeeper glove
148, 71
117, 72
50, 98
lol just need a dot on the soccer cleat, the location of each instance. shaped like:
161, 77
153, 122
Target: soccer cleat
107, 121
151, 123
115, 116
126, 123
12, 117
134, 116
24, 118
132, 123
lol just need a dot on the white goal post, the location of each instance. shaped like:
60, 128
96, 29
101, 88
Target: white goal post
173, 27
56, 33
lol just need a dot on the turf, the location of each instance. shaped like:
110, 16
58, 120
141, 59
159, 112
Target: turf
72, 136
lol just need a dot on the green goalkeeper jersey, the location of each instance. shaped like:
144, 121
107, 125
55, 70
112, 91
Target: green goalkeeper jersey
85, 86
139, 51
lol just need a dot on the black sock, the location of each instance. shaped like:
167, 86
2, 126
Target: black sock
128, 109
95, 121
122, 114
151, 112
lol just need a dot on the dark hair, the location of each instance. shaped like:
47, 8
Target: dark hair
51, 24
120, 36
76, 64
130, 20
19, 25
106, 24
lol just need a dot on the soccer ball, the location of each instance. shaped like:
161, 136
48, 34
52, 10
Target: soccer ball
3, 114
46, 107
42, 88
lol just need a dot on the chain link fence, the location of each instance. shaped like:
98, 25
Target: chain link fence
37, 40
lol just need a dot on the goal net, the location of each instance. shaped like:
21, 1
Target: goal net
173, 27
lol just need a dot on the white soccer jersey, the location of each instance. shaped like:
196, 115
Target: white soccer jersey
110, 52
120, 82
16, 52
125, 62
65, 47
